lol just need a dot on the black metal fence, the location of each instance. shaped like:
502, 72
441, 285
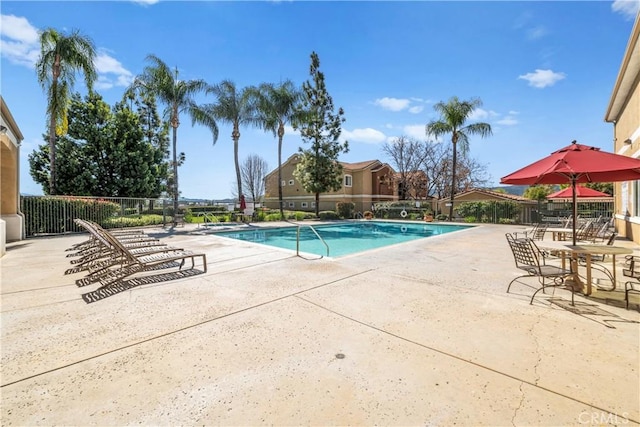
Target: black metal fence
44, 215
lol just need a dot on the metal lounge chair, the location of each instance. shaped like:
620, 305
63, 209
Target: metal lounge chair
94, 249
536, 233
632, 270
530, 259
119, 261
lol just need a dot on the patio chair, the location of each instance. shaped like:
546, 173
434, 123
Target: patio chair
131, 264
596, 260
529, 258
537, 232
114, 253
632, 270
101, 254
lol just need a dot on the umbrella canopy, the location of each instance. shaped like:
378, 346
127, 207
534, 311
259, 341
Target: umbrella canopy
574, 164
243, 203
581, 192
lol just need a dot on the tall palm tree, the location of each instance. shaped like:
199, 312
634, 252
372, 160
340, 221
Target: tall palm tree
236, 107
178, 96
61, 58
453, 116
277, 107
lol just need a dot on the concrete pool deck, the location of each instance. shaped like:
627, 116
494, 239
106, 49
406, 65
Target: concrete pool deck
421, 333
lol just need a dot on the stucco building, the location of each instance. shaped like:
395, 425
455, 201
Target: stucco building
624, 112
363, 183
11, 219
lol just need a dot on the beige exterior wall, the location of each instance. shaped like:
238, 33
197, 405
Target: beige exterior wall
624, 112
11, 220
365, 189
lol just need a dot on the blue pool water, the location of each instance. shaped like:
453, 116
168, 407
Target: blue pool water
343, 238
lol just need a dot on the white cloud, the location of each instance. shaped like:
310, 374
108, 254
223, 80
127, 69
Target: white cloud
542, 78
145, 2
19, 40
480, 114
366, 135
289, 130
20, 44
107, 65
507, 121
536, 32
628, 8
415, 131
392, 104
416, 109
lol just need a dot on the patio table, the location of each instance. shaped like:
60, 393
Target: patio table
587, 250
560, 233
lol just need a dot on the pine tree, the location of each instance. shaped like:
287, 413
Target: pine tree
319, 170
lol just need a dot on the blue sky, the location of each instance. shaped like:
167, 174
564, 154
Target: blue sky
544, 70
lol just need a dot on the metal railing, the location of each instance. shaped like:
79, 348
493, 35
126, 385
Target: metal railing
46, 215
314, 232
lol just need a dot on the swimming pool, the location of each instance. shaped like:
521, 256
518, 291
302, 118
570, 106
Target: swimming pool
343, 238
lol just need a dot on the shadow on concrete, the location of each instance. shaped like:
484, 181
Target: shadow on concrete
125, 285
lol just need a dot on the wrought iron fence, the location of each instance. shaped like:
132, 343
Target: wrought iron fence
480, 211
496, 211
45, 215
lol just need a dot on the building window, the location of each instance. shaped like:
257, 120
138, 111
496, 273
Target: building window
292, 204
291, 182
348, 181
313, 204
283, 183
304, 205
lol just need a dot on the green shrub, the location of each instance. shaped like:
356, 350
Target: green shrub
132, 221
188, 215
45, 215
328, 215
442, 217
272, 217
470, 218
345, 209
259, 215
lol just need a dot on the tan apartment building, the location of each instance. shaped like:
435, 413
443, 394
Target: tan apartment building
363, 184
624, 112
11, 219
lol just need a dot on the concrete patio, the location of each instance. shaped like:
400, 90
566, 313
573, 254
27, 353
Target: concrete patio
421, 333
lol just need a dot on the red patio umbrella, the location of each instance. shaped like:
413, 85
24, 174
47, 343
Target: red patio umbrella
581, 192
243, 203
576, 163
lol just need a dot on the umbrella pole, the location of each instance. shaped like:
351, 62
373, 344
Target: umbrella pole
575, 207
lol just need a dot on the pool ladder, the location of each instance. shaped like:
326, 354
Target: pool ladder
314, 232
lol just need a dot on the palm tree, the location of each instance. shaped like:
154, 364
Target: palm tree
158, 79
277, 107
61, 57
453, 116
237, 108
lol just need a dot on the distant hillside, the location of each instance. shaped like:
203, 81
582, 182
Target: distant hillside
516, 190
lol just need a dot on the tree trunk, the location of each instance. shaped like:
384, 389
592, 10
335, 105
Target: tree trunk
175, 171
235, 135
317, 205
453, 179
52, 155
280, 136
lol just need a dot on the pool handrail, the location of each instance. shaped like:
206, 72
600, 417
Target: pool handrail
314, 232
